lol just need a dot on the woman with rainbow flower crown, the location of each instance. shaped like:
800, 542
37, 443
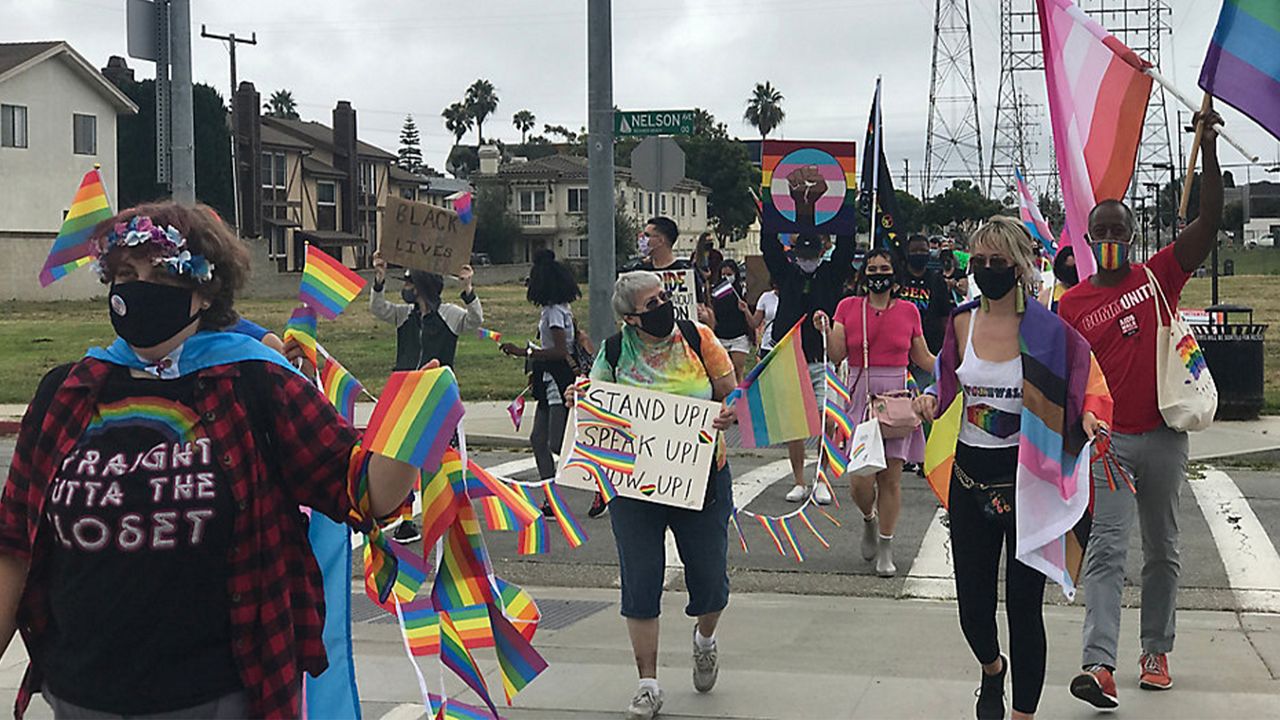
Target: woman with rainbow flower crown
151, 549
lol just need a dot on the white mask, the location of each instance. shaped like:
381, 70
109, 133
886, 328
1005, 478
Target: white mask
643, 244
808, 266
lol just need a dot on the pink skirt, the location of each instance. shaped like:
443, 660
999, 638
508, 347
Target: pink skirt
882, 380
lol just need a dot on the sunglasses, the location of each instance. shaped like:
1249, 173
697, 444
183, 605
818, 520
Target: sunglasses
994, 262
662, 298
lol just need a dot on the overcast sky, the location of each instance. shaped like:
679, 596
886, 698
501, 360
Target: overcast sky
394, 57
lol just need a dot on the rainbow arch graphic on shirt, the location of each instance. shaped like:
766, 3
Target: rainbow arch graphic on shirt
175, 421
1189, 351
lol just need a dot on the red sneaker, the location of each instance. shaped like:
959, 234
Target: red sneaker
1096, 686
1155, 672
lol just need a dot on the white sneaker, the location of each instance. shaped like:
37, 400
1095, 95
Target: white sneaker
797, 494
706, 665
645, 705
821, 494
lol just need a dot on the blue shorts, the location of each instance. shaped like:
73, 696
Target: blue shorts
702, 539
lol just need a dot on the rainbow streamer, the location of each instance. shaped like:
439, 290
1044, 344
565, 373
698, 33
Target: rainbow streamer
462, 206
462, 579
838, 417
601, 415
73, 247
518, 662
827, 515
785, 527
493, 335
415, 417
456, 657
834, 385
573, 532
519, 608
341, 387
327, 286
533, 538
302, 328
768, 527
835, 457
804, 518
473, 626
775, 401
421, 627
741, 538
616, 460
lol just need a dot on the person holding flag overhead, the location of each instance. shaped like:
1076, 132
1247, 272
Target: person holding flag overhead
174, 461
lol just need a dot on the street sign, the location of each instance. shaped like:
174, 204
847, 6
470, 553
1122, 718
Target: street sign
657, 164
636, 123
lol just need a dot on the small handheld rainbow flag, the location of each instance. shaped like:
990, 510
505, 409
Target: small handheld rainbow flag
416, 417
493, 335
341, 387
462, 206
775, 401
73, 247
302, 328
328, 285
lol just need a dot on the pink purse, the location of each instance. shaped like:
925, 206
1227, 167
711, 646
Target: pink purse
892, 409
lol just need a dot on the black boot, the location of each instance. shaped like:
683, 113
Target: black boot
991, 694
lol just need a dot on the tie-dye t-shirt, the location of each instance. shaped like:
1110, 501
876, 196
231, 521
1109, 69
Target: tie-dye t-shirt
669, 366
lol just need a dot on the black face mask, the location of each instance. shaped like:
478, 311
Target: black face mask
918, 261
1067, 275
146, 314
879, 283
409, 295
995, 284
660, 321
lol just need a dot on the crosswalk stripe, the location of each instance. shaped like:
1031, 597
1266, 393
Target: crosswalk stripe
407, 711
932, 575
1250, 558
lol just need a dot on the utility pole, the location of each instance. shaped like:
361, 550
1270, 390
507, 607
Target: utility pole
906, 174
184, 144
600, 191
232, 41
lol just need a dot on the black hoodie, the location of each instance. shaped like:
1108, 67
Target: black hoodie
800, 294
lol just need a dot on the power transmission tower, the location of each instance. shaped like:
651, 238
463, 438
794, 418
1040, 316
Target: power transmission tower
954, 145
1019, 54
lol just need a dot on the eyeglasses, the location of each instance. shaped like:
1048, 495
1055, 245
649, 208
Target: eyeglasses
995, 262
661, 299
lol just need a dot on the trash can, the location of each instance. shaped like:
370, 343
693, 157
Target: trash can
1228, 267
1232, 344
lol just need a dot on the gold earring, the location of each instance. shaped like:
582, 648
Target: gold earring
1020, 302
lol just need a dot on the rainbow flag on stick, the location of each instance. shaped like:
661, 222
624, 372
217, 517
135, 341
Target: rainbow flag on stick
493, 335
73, 247
341, 387
302, 328
328, 285
775, 401
1243, 64
416, 417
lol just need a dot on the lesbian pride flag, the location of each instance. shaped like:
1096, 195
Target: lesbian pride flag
1243, 64
72, 247
1098, 91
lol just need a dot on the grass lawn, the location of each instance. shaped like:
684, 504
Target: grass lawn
1262, 293
38, 336
1252, 261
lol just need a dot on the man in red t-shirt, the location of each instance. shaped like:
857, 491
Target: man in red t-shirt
1116, 310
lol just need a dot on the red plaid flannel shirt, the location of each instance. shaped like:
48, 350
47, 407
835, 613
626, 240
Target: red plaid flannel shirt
274, 585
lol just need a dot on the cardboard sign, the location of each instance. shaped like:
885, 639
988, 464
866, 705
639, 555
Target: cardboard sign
809, 187
674, 445
682, 286
425, 237
757, 278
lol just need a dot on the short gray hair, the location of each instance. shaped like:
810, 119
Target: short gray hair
629, 286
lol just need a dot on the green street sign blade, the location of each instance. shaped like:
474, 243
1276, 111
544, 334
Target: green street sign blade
635, 123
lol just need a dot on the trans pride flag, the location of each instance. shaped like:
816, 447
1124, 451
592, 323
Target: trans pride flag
72, 247
1098, 91
1243, 64
1029, 212
775, 401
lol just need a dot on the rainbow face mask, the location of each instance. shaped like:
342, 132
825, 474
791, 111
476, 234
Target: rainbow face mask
1110, 255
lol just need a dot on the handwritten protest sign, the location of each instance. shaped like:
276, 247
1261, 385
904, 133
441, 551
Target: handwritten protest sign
757, 278
425, 237
674, 444
682, 286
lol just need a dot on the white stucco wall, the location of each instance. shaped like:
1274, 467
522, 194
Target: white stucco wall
38, 182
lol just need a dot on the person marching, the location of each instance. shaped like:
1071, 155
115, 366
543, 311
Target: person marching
998, 353
766, 311
735, 323
879, 334
1064, 278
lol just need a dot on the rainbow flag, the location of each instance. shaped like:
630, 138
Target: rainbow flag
533, 538
610, 459
462, 579
421, 627
493, 335
598, 473
838, 417
302, 328
569, 525
741, 538
1029, 212
440, 501
1242, 66
518, 662
73, 247
521, 509
601, 415
836, 389
473, 626
773, 535
397, 568
462, 206
341, 387
775, 401
1098, 91
456, 657
450, 709
804, 518
497, 516
836, 460
415, 417
784, 526
328, 285
519, 608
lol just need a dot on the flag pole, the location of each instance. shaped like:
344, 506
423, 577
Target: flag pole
875, 172
1168, 86
1205, 105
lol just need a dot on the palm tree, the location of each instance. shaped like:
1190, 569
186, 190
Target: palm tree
457, 120
764, 109
523, 121
481, 100
281, 105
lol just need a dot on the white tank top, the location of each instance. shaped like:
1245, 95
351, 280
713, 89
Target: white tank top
992, 398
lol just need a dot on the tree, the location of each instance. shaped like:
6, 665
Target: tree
567, 136
764, 109
722, 164
962, 204
497, 230
1233, 220
706, 125
910, 217
457, 120
481, 100
523, 121
1051, 208
281, 105
625, 231
410, 150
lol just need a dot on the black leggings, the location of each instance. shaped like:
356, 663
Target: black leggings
976, 539
547, 435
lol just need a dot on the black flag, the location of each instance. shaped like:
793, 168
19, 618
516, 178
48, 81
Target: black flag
876, 182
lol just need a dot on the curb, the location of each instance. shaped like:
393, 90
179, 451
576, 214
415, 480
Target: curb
10, 427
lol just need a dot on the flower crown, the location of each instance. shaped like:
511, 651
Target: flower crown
173, 247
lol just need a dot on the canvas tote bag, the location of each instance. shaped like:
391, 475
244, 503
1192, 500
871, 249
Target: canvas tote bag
1185, 391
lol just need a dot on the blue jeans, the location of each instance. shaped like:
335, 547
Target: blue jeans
702, 539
